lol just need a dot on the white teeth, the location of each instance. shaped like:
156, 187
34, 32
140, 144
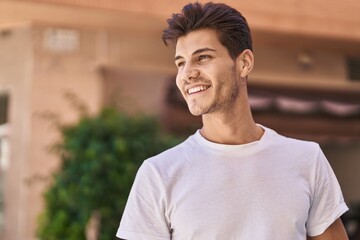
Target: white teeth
197, 89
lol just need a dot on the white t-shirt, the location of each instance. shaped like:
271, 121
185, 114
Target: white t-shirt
275, 188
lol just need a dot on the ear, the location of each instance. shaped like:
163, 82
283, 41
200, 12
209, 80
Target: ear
245, 62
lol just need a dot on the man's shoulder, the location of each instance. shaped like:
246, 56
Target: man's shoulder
304, 154
279, 140
169, 162
173, 154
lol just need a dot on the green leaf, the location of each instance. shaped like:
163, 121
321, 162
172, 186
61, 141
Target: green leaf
100, 157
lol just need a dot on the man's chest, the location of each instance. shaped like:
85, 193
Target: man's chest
238, 203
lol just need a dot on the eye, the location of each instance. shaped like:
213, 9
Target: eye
204, 57
179, 64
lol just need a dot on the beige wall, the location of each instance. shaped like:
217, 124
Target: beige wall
138, 69
16, 66
38, 80
285, 63
333, 19
136, 92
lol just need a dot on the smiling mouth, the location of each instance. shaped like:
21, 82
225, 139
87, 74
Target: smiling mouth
197, 89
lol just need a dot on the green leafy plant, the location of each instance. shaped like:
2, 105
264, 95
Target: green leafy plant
100, 157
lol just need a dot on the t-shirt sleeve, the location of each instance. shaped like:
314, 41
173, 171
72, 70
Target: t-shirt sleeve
327, 202
144, 214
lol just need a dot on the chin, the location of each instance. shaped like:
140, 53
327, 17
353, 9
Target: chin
195, 112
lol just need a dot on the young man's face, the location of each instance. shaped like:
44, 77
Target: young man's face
207, 76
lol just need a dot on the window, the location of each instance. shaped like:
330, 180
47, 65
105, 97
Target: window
4, 102
353, 68
4, 148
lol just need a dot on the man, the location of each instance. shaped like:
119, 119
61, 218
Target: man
232, 179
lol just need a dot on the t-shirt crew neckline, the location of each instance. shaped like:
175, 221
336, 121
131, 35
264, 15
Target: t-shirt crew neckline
243, 149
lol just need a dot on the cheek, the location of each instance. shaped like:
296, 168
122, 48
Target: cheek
179, 86
178, 82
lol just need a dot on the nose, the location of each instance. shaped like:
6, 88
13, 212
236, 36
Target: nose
190, 73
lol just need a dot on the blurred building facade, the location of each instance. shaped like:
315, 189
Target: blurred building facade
55, 53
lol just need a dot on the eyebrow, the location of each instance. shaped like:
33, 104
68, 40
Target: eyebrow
197, 52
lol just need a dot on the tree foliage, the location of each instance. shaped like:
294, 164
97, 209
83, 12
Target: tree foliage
100, 157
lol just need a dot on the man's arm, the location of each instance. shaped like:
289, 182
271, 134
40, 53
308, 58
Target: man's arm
335, 231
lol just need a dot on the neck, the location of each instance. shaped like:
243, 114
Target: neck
231, 127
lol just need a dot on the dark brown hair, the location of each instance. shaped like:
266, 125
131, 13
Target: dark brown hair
231, 27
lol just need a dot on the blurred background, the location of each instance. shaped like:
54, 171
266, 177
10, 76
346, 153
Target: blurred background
305, 84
